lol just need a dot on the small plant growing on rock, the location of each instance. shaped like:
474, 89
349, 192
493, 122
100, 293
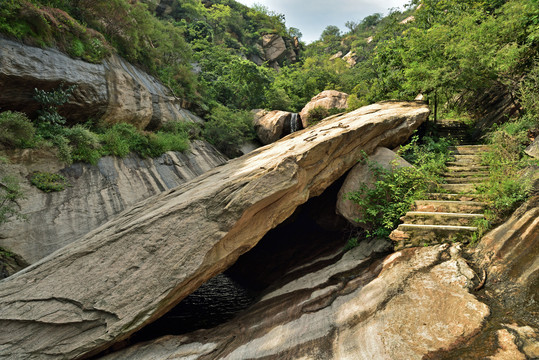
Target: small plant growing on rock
48, 182
50, 102
16, 130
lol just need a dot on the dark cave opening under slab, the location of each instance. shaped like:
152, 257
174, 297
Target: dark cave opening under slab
288, 251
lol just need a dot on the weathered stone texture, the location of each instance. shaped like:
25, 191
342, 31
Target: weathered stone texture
133, 269
270, 127
402, 307
114, 91
97, 193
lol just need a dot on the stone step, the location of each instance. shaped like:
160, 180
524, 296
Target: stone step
449, 206
464, 180
462, 174
438, 218
466, 168
453, 197
459, 188
463, 163
469, 149
474, 157
410, 235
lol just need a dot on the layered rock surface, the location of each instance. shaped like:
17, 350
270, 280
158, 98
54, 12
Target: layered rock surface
103, 287
95, 195
114, 91
403, 306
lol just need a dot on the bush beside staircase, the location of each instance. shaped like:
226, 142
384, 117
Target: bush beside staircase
451, 214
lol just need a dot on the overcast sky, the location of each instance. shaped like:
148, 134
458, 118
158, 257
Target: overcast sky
312, 16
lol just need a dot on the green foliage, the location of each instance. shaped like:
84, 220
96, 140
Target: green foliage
122, 139
84, 144
232, 81
50, 102
49, 182
16, 130
10, 194
428, 155
227, 129
46, 23
392, 194
506, 187
319, 113
393, 191
351, 243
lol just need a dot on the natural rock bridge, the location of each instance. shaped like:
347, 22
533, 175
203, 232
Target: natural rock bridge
100, 289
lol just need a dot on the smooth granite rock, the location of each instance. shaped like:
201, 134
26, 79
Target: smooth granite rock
121, 276
95, 195
403, 306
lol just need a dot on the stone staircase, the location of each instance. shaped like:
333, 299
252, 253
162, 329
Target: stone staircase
449, 214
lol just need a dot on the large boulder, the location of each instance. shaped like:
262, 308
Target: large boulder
100, 289
407, 305
114, 91
363, 174
95, 195
328, 99
270, 127
274, 46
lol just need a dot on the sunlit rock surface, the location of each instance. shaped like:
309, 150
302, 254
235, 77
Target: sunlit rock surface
402, 306
103, 287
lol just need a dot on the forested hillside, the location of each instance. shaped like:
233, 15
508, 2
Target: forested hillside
218, 57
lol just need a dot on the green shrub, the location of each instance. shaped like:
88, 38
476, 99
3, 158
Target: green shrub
317, 113
228, 129
77, 48
121, 139
161, 142
505, 187
62, 145
16, 130
390, 197
355, 103
393, 192
84, 144
191, 129
50, 102
428, 155
49, 182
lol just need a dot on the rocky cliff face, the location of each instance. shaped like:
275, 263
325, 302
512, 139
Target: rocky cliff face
114, 91
97, 193
125, 274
